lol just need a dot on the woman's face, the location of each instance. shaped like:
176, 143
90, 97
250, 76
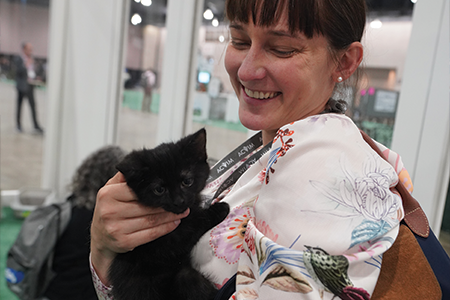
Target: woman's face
278, 77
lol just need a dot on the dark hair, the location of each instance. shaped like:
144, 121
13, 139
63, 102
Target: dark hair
93, 173
342, 22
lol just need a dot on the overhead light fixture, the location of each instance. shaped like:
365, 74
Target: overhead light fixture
136, 19
137, 1
414, 1
146, 2
221, 38
376, 24
215, 22
208, 14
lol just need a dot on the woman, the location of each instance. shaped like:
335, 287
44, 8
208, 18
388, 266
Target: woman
314, 215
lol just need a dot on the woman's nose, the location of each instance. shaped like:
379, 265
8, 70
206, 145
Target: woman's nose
252, 66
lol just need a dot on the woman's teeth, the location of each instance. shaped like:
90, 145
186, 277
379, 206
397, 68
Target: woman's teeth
260, 95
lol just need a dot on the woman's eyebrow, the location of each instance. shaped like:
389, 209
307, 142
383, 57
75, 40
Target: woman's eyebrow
284, 33
236, 26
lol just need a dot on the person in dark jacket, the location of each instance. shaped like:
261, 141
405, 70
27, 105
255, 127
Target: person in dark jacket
73, 279
26, 80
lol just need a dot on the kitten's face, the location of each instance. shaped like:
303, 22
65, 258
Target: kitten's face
169, 176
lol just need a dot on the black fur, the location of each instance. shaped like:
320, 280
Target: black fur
170, 176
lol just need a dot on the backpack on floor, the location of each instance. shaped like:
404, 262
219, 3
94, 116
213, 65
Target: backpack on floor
30, 259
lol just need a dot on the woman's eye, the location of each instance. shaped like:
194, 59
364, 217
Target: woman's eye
159, 190
238, 44
284, 53
187, 182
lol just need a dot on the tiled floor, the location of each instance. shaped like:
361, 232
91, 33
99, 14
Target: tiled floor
21, 153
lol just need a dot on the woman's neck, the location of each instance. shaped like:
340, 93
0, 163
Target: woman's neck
268, 136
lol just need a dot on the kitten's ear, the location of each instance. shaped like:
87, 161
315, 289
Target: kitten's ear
124, 167
129, 164
197, 144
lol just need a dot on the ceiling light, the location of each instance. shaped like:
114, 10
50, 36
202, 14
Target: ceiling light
146, 2
137, 1
136, 19
208, 14
221, 38
414, 1
215, 22
376, 24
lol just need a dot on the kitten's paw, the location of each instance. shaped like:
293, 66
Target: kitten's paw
221, 211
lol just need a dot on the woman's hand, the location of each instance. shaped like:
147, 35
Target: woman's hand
120, 224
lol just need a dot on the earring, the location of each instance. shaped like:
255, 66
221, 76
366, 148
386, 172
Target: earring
339, 79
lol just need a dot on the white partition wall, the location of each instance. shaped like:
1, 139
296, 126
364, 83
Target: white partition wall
85, 66
177, 90
421, 133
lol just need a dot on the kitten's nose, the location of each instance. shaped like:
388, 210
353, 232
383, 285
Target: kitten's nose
178, 201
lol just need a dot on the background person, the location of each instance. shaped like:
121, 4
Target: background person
26, 80
71, 261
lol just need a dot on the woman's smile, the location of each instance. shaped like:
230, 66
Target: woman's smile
260, 94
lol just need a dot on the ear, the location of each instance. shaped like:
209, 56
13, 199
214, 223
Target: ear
129, 164
197, 144
349, 61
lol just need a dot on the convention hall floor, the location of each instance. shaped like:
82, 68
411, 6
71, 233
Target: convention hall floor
21, 156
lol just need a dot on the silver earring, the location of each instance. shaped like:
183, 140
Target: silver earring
339, 79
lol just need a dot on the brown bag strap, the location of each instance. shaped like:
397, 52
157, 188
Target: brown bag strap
415, 217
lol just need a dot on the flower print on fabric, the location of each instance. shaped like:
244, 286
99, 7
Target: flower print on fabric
272, 160
227, 237
368, 195
279, 151
262, 175
266, 230
292, 271
285, 145
277, 267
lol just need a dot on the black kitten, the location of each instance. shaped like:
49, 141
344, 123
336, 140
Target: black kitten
170, 176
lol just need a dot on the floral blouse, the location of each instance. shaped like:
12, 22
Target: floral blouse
310, 219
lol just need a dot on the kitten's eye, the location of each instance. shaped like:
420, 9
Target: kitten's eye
158, 191
187, 182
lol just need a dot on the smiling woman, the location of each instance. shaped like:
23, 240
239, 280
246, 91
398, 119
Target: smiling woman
282, 70
313, 215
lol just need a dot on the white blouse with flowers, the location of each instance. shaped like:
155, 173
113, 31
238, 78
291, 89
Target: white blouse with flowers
311, 219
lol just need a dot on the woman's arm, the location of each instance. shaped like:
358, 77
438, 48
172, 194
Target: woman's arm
120, 224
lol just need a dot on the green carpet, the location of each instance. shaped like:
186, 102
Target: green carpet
9, 229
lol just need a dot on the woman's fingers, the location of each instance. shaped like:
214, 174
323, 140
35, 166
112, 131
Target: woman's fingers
153, 220
116, 179
149, 230
125, 234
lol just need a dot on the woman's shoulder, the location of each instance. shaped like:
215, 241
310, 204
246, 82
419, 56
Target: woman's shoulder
326, 121
324, 127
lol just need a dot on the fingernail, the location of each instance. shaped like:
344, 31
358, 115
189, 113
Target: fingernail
185, 213
177, 222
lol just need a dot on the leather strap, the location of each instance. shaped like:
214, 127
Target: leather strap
415, 217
